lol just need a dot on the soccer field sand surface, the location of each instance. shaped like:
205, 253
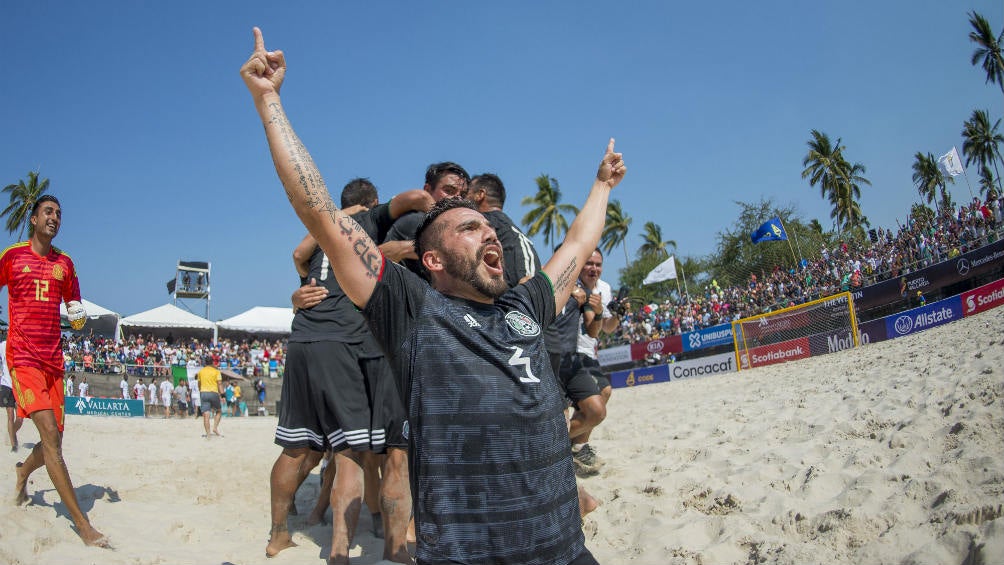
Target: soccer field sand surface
890, 453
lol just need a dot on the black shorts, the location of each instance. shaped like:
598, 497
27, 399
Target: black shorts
579, 376
209, 401
7, 397
341, 396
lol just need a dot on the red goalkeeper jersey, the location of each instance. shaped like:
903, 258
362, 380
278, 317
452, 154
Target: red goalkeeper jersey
35, 287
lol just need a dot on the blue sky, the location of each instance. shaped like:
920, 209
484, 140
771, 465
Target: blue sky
136, 113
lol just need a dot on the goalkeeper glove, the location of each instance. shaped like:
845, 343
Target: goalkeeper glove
76, 314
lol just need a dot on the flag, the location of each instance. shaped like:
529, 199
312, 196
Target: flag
170, 286
664, 272
950, 163
771, 230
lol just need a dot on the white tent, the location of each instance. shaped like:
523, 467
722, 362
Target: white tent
167, 317
99, 319
260, 319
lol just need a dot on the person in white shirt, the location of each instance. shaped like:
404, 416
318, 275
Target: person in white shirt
124, 387
7, 399
154, 402
83, 387
166, 392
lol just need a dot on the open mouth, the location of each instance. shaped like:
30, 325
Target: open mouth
491, 256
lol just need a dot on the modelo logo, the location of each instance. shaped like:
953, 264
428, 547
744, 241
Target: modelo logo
654, 346
903, 324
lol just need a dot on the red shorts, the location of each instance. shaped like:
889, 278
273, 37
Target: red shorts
36, 389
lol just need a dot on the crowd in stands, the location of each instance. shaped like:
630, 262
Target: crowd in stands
847, 266
146, 356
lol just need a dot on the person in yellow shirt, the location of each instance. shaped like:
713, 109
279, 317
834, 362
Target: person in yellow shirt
210, 388
237, 400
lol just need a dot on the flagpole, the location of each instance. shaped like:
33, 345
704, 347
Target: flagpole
966, 176
684, 280
798, 263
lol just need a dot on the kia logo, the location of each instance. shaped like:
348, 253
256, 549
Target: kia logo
962, 266
654, 346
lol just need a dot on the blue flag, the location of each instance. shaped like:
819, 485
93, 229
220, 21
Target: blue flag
771, 230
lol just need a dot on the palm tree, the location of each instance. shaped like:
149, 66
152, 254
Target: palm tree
548, 216
981, 141
928, 176
988, 53
22, 199
615, 229
987, 187
654, 245
822, 163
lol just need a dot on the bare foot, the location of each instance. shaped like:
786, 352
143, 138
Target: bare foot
587, 502
20, 486
93, 537
277, 542
315, 519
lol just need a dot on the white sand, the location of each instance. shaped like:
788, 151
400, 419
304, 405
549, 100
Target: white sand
892, 453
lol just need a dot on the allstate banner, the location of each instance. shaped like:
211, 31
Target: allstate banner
918, 319
91, 406
708, 337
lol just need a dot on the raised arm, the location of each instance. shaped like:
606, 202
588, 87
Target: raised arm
585, 231
355, 259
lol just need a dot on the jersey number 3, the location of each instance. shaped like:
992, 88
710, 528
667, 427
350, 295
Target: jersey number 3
517, 359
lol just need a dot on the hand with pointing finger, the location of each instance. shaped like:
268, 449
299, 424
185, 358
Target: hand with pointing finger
264, 71
612, 167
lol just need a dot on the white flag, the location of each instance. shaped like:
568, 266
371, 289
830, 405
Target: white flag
950, 163
664, 272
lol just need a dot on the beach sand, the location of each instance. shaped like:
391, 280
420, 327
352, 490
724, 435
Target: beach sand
890, 453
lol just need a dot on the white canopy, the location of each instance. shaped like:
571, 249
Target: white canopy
260, 319
167, 316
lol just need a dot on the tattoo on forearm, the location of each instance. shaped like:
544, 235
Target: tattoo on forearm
566, 276
315, 193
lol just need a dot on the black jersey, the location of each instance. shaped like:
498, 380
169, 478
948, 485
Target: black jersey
562, 336
404, 229
492, 479
336, 318
519, 257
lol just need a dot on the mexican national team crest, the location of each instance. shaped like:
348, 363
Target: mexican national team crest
523, 324
57, 272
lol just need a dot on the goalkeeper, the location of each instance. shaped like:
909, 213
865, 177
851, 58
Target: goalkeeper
38, 278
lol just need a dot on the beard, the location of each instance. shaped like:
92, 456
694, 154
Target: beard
466, 270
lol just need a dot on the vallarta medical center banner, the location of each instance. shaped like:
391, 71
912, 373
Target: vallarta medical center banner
92, 406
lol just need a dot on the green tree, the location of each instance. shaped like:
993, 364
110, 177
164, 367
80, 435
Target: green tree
839, 181
928, 177
987, 188
822, 163
988, 51
22, 198
921, 214
653, 242
982, 142
845, 199
548, 214
615, 229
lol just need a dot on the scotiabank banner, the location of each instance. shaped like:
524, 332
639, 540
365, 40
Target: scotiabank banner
775, 353
664, 346
918, 319
983, 298
935, 277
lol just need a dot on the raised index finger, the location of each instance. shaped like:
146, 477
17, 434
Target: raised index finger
259, 41
610, 146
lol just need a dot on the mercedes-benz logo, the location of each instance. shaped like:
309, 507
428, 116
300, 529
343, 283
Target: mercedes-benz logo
962, 266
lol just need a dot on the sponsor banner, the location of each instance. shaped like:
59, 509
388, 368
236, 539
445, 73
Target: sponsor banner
708, 337
831, 342
711, 365
943, 274
918, 319
614, 355
664, 346
872, 331
103, 406
642, 376
775, 353
983, 298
